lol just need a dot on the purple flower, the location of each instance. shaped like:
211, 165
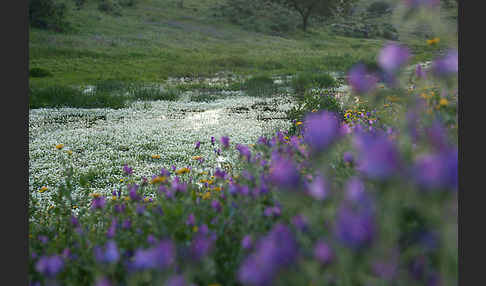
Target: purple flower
216, 205
133, 193
198, 144
176, 280
284, 173
360, 80
140, 209
419, 72
127, 223
201, 245
300, 222
386, 268
151, 239
355, 228
318, 189
159, 256
379, 157
247, 242
392, 57
98, 203
120, 208
446, 65
112, 229
273, 252
244, 151
49, 266
321, 131
111, 252
244, 190
323, 253
219, 173
103, 282
356, 193
272, 211
190, 220
262, 140
127, 170
43, 239
437, 170
225, 142
348, 158
212, 140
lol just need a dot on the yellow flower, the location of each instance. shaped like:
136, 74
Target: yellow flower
75, 207
218, 189
43, 189
204, 173
155, 156
146, 199
206, 195
196, 157
69, 152
195, 228
443, 102
386, 105
210, 182
314, 110
127, 199
113, 198
298, 123
433, 41
59, 146
158, 179
121, 180
183, 171
51, 207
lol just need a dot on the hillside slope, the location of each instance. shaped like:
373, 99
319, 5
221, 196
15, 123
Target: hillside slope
157, 39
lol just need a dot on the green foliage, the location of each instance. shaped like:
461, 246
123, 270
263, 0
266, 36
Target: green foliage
110, 7
306, 80
361, 27
66, 96
379, 8
260, 85
49, 14
259, 16
39, 72
153, 92
312, 102
322, 8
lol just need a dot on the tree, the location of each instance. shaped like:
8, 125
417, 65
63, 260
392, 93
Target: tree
307, 8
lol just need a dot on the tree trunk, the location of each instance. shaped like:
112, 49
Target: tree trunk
305, 19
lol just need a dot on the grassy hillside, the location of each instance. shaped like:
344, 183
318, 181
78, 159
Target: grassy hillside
157, 39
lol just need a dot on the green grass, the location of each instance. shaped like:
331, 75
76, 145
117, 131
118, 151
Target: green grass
154, 40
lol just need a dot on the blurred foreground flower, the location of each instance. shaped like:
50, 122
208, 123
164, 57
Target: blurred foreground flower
360, 80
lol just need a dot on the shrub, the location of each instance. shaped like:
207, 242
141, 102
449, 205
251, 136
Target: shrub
378, 8
66, 96
127, 3
312, 102
110, 7
39, 72
153, 92
261, 85
48, 14
303, 81
258, 16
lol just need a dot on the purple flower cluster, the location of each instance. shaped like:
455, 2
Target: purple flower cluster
273, 252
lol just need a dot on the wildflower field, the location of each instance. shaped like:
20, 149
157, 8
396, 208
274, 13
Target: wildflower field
333, 181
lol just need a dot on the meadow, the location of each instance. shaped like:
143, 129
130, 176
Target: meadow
309, 160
